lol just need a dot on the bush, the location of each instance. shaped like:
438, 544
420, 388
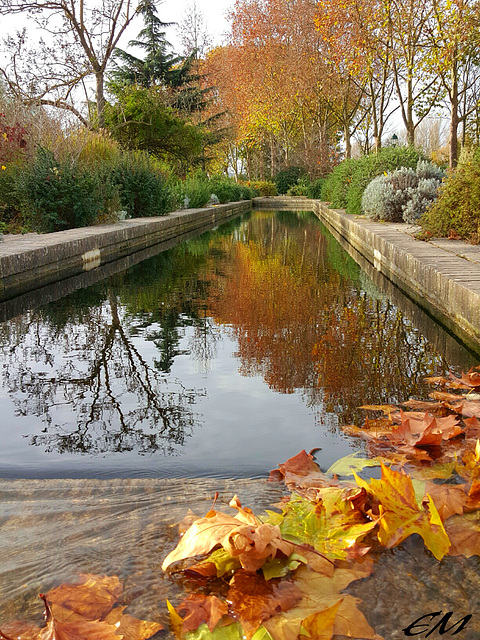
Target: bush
262, 188
335, 186
288, 178
299, 189
192, 193
14, 153
142, 188
402, 194
457, 208
57, 195
315, 189
344, 187
226, 189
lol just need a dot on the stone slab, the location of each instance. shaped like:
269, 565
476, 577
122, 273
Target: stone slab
31, 261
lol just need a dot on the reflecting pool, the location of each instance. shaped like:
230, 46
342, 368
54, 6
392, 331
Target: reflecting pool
128, 402
220, 357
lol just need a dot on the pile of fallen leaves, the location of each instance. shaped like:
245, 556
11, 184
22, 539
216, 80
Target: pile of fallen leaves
281, 576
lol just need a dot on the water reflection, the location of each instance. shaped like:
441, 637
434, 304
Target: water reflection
100, 368
82, 373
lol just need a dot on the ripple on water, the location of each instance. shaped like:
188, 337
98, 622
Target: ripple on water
51, 530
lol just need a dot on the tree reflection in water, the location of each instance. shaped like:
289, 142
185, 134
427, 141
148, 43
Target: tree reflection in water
89, 370
302, 314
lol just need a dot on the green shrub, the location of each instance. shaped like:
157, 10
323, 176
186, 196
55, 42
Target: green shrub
288, 178
457, 209
142, 188
299, 189
262, 188
226, 189
344, 187
57, 195
315, 189
192, 193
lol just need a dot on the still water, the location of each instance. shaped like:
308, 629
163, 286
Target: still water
220, 357
200, 370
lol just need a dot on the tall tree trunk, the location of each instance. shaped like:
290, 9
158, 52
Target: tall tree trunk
454, 119
100, 98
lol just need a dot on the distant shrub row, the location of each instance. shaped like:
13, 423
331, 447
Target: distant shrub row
43, 191
344, 187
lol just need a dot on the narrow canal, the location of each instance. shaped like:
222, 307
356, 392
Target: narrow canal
197, 370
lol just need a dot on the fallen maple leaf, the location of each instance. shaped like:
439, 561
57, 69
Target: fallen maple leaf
320, 592
464, 533
254, 600
242, 536
402, 516
83, 611
197, 609
449, 499
333, 526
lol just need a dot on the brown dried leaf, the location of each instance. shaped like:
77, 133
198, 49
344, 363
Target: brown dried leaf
242, 536
254, 600
197, 609
91, 598
319, 593
449, 499
464, 534
19, 629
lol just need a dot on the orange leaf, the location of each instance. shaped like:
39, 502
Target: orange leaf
197, 609
254, 600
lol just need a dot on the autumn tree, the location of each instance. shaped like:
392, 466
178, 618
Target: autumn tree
453, 56
80, 37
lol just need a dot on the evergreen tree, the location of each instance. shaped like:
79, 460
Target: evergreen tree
159, 67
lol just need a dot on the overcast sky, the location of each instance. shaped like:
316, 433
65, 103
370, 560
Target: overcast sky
214, 12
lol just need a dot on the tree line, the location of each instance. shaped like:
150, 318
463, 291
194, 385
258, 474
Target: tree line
299, 77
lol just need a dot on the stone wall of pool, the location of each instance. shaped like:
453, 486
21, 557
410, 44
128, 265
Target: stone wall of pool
35, 260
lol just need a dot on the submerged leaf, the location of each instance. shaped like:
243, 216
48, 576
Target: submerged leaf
254, 600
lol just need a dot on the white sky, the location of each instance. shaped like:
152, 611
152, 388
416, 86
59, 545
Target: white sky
214, 12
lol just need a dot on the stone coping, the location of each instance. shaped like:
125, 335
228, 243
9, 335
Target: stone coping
34, 260
441, 275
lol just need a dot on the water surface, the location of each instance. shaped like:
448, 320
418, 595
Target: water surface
220, 357
126, 403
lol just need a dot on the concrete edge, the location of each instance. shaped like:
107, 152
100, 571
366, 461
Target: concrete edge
50, 258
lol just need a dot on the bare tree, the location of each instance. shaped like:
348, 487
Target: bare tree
79, 39
193, 32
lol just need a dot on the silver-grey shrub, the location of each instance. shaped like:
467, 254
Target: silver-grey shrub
403, 194
420, 199
385, 197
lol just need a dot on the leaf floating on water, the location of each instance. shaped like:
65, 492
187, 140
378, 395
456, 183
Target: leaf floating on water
346, 465
243, 537
402, 516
